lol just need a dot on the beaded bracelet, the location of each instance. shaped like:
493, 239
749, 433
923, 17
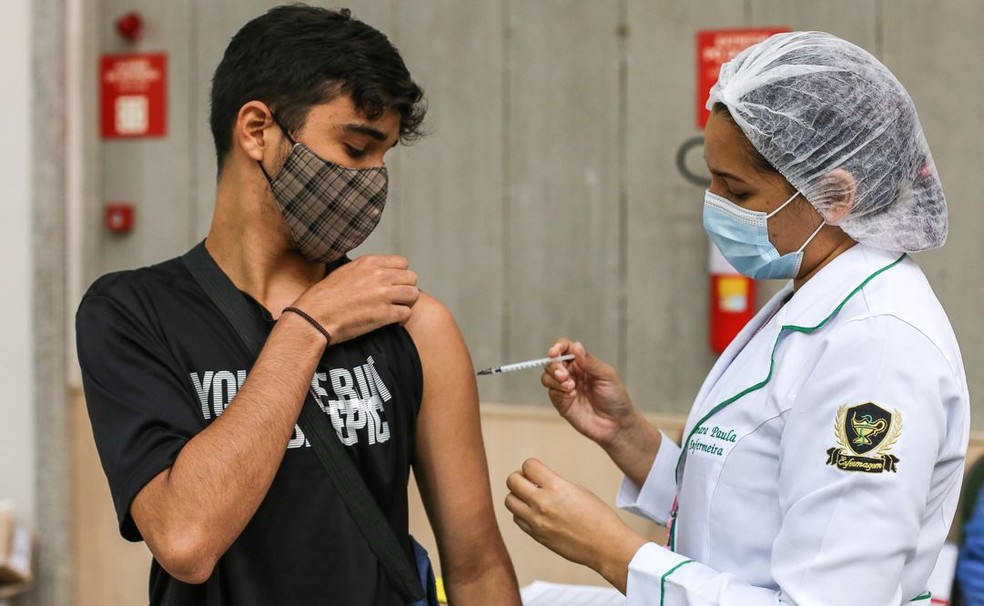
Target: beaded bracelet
311, 321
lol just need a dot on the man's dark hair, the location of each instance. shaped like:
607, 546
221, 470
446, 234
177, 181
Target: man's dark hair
297, 56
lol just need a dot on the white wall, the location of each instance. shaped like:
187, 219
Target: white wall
17, 457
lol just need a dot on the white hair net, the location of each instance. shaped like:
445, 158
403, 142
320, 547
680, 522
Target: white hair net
812, 103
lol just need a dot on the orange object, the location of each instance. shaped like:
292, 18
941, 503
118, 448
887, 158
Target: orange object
732, 301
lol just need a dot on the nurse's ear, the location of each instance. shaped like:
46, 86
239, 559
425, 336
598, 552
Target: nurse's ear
839, 190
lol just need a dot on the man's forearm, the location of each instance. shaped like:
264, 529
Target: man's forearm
495, 585
191, 514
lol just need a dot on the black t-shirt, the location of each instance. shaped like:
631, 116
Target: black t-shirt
160, 362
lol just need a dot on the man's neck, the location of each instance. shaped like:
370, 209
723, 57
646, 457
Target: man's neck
250, 243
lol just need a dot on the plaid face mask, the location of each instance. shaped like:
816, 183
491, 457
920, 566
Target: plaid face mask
329, 209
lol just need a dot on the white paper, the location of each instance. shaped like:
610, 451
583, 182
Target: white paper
20, 552
542, 593
941, 581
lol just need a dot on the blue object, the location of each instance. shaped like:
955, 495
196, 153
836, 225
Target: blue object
970, 565
742, 236
426, 572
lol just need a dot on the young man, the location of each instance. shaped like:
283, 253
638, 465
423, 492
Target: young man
199, 440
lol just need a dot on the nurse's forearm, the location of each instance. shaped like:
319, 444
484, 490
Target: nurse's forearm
635, 448
618, 553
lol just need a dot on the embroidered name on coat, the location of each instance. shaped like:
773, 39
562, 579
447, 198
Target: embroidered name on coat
716, 440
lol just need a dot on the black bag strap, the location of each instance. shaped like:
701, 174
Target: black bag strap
317, 428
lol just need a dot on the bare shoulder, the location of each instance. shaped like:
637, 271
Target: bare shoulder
438, 338
430, 319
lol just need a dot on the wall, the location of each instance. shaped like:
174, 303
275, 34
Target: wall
546, 201
17, 440
34, 428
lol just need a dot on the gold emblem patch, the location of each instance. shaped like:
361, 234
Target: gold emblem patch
865, 435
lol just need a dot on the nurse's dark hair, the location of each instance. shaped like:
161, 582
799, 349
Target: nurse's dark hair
755, 158
296, 56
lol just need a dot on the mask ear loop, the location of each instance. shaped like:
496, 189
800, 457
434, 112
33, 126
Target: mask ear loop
810, 239
283, 128
782, 206
286, 133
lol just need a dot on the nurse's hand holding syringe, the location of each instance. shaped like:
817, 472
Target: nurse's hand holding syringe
567, 518
590, 395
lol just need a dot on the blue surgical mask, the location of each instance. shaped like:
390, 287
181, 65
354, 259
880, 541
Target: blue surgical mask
742, 236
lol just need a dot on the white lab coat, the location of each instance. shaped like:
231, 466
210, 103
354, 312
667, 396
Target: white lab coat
774, 506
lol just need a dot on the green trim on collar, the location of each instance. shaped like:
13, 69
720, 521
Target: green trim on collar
662, 581
772, 364
923, 596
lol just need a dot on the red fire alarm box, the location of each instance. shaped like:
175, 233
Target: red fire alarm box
134, 95
119, 217
714, 49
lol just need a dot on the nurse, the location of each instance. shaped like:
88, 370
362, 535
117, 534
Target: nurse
821, 461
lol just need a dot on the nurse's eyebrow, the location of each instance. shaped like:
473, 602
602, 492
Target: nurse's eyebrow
363, 129
726, 175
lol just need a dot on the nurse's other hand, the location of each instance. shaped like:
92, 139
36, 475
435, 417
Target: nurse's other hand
571, 521
588, 393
